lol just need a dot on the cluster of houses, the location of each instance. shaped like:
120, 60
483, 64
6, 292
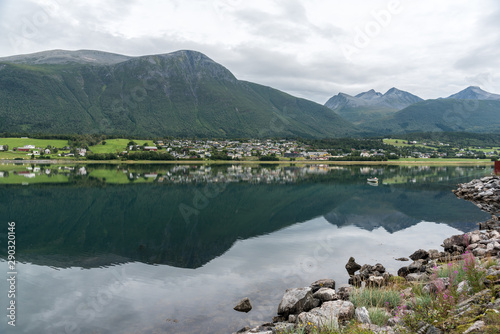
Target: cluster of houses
36, 151
234, 149
31, 149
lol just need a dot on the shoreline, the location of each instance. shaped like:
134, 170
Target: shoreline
461, 283
255, 162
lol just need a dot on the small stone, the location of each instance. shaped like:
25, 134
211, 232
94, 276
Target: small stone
474, 238
378, 268
322, 283
432, 330
344, 291
490, 247
278, 318
414, 277
361, 314
243, 305
292, 318
434, 254
462, 287
376, 281
403, 271
325, 295
477, 326
402, 259
416, 266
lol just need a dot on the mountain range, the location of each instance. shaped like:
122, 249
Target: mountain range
185, 93
370, 105
397, 111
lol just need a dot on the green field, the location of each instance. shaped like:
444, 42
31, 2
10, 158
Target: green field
401, 141
486, 150
446, 160
115, 145
20, 142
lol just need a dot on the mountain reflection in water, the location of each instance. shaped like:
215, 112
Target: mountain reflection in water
185, 216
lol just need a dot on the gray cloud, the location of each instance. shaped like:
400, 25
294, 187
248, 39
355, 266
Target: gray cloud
430, 49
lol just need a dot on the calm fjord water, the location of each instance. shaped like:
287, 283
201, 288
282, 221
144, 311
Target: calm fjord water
171, 249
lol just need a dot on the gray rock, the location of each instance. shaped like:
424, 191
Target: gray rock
473, 246
415, 277
296, 301
476, 327
489, 247
432, 330
434, 254
322, 283
329, 314
420, 254
456, 240
325, 295
439, 284
352, 266
462, 287
402, 259
361, 314
376, 281
403, 271
345, 291
378, 268
479, 252
474, 238
378, 329
284, 327
417, 266
292, 318
243, 305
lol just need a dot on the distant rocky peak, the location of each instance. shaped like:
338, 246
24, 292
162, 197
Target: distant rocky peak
369, 95
474, 93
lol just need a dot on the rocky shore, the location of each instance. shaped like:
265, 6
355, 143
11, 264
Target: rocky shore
456, 290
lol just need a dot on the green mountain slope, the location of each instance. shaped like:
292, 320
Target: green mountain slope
442, 115
178, 94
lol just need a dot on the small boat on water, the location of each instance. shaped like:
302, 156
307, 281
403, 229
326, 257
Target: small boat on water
373, 179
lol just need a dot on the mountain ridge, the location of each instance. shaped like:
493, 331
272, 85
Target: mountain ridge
370, 105
183, 93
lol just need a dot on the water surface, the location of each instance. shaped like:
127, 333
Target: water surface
171, 249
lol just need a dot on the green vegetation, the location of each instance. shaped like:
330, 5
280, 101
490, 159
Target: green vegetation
179, 94
20, 142
374, 297
416, 307
112, 146
444, 115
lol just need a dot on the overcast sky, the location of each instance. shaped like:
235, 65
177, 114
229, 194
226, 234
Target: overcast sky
309, 48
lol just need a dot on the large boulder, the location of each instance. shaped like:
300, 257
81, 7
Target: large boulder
420, 255
329, 314
456, 243
296, 301
352, 266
